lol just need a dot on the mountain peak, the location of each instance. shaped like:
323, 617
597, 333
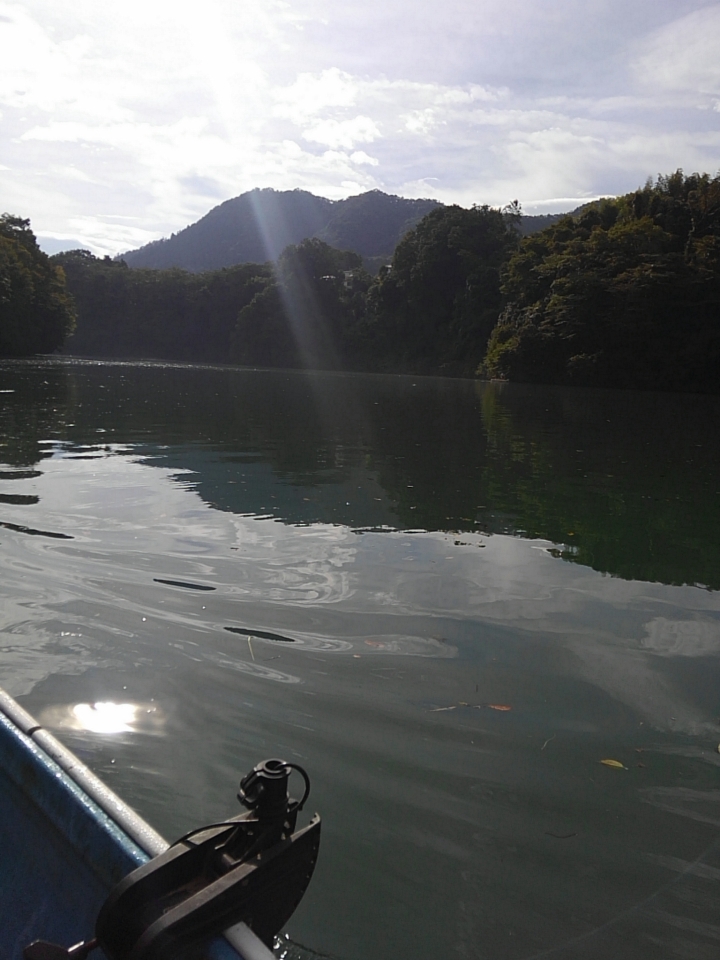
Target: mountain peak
259, 224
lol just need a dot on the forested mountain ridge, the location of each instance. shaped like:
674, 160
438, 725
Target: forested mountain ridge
258, 225
624, 294
430, 311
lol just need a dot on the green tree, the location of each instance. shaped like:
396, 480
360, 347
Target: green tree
307, 314
433, 308
168, 314
625, 295
36, 313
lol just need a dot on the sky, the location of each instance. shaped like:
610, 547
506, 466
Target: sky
123, 122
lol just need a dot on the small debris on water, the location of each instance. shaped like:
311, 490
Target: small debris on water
188, 585
614, 763
260, 634
20, 528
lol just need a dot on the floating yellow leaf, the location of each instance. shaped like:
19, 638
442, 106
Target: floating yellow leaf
614, 763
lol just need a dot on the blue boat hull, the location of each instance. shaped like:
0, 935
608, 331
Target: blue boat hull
61, 854
65, 841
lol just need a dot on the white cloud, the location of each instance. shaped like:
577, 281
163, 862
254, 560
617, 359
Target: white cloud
421, 121
311, 94
106, 236
684, 56
359, 156
343, 133
161, 109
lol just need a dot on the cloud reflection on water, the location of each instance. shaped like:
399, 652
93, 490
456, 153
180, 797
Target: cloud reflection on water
326, 586
593, 665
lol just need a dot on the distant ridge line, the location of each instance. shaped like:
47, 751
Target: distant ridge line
258, 225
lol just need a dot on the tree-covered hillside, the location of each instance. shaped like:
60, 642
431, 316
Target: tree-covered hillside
257, 226
252, 228
36, 313
625, 295
372, 224
166, 314
307, 314
434, 308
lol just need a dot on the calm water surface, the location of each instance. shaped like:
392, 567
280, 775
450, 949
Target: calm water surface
478, 592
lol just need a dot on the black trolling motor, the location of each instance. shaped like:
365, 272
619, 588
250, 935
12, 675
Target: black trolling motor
253, 868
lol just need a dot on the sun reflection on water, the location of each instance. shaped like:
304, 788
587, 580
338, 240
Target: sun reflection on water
105, 716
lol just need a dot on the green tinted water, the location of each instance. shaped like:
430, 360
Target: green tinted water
434, 550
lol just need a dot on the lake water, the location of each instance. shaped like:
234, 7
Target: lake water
476, 594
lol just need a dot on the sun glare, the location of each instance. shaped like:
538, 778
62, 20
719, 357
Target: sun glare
106, 717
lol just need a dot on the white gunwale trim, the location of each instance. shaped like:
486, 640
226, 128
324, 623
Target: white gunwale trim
240, 936
124, 816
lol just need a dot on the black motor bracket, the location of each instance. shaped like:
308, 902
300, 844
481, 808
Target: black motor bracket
253, 868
